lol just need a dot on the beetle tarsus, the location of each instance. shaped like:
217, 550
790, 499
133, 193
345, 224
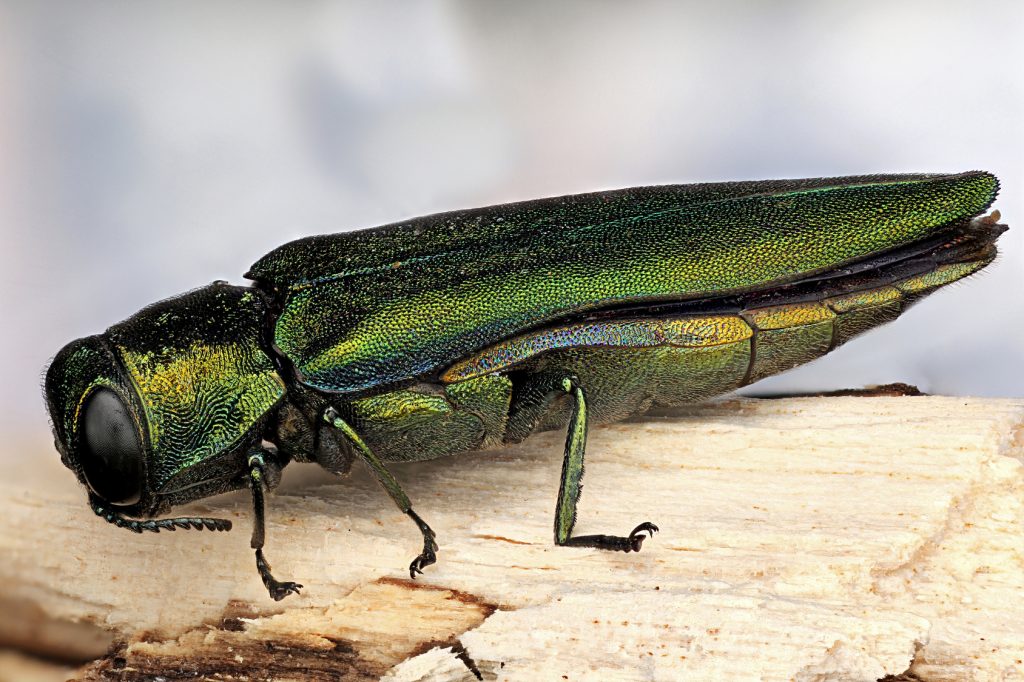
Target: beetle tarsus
637, 536
616, 543
278, 590
422, 561
428, 556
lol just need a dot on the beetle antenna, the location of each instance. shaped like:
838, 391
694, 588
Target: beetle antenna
156, 525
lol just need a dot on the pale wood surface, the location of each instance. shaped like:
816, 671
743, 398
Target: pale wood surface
805, 539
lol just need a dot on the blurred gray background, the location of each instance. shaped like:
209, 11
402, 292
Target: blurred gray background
149, 148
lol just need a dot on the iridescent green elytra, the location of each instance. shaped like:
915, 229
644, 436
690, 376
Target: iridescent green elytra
476, 328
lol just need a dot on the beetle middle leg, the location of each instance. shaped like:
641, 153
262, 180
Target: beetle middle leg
394, 490
535, 398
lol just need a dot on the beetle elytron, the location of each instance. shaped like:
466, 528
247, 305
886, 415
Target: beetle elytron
476, 328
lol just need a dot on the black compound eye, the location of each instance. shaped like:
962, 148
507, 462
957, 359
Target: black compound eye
111, 452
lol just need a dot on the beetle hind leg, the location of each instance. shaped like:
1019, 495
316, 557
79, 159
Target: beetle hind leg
536, 398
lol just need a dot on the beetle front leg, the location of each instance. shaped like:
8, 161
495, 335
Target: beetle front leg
257, 470
535, 399
394, 490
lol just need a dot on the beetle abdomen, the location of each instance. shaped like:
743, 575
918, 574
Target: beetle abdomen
627, 366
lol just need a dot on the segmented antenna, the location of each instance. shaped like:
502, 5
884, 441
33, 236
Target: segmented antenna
156, 525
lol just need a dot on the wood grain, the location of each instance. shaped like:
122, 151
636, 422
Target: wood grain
806, 539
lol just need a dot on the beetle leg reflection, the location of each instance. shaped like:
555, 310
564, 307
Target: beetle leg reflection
278, 590
384, 477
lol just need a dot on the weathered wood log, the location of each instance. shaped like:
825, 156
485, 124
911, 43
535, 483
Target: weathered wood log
808, 539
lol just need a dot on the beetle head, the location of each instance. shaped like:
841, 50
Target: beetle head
162, 408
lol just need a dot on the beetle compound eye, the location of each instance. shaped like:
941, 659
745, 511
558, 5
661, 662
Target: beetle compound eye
112, 454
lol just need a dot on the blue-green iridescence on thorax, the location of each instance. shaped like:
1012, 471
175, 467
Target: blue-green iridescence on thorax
368, 309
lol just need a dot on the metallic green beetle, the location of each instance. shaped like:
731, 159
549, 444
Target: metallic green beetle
476, 328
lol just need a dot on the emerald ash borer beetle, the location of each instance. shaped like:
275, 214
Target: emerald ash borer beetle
474, 329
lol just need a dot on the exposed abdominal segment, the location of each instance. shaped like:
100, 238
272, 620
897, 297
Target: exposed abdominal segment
630, 365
